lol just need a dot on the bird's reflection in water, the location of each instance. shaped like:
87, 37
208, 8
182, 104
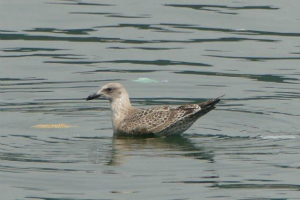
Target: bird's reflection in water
156, 146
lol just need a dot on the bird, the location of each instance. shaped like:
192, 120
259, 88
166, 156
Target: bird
155, 121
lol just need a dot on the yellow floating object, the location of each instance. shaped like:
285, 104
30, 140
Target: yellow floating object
52, 126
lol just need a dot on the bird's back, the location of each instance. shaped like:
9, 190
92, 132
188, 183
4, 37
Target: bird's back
166, 120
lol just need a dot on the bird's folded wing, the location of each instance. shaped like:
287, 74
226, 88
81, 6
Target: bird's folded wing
154, 120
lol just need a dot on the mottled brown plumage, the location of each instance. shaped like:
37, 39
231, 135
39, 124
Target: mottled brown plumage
165, 120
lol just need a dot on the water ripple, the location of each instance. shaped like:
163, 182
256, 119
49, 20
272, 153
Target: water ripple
119, 40
26, 49
258, 186
137, 62
233, 31
77, 3
208, 7
260, 77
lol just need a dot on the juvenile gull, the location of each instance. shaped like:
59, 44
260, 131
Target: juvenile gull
164, 120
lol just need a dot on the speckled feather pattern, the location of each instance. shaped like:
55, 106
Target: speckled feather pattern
167, 120
154, 120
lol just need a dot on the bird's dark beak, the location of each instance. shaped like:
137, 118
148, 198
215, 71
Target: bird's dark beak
93, 96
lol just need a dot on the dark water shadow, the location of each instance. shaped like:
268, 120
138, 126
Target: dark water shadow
175, 146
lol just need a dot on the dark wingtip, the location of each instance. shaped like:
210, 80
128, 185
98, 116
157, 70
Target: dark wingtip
216, 100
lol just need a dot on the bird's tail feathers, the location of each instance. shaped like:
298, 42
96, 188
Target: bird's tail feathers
208, 106
210, 103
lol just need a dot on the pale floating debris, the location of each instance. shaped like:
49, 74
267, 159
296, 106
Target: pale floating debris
145, 80
277, 137
52, 126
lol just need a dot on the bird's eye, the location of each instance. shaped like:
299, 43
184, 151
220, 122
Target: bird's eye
109, 89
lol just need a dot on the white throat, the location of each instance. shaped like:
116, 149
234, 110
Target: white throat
120, 108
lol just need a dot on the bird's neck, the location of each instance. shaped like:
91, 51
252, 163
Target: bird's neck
120, 108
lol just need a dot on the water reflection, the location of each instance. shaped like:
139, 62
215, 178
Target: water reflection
156, 146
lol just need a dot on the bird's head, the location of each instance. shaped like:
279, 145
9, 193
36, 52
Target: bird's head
109, 91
